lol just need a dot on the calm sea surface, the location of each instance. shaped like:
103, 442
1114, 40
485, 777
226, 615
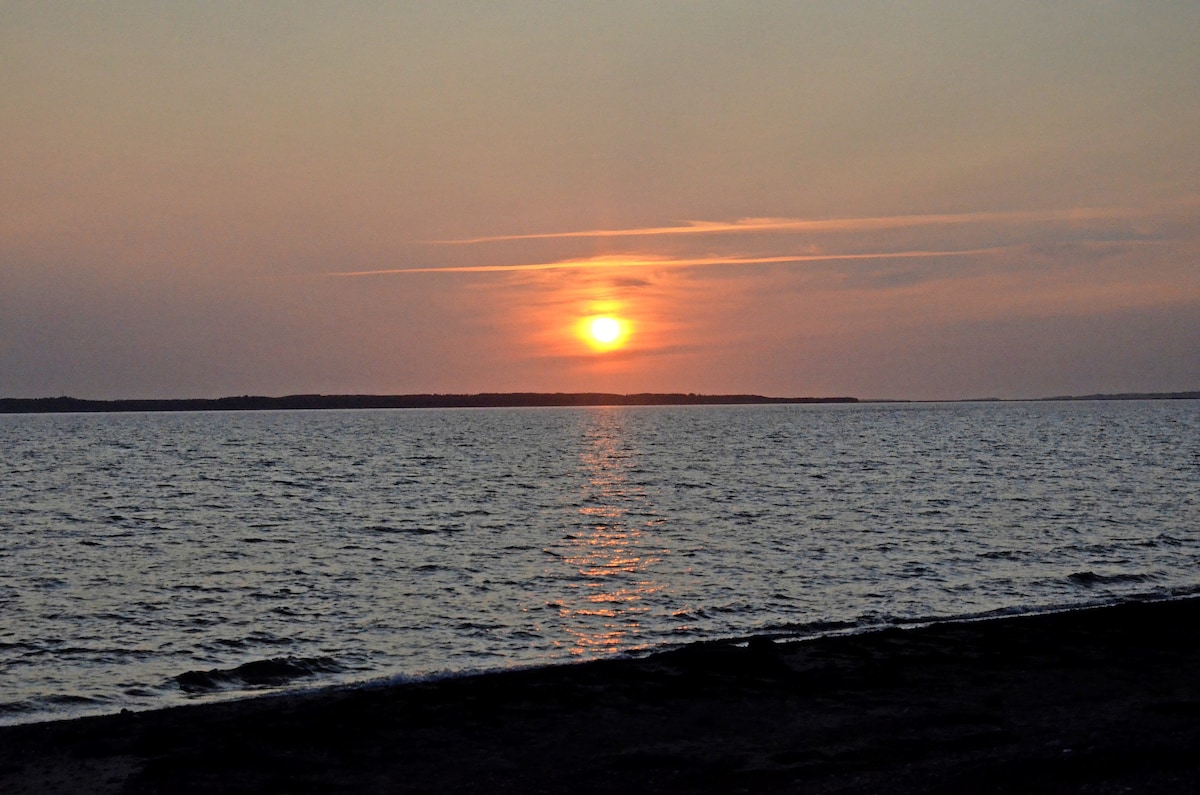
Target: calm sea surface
351, 546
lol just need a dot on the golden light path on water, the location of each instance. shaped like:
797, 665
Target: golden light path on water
608, 553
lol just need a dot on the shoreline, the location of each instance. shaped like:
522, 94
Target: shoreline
277, 677
65, 405
1099, 698
71, 405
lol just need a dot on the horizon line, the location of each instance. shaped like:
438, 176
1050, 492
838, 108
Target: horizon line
509, 399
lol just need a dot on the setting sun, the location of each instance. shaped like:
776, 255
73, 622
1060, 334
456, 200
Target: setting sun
604, 332
605, 329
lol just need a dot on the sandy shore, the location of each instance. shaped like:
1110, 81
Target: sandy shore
1104, 700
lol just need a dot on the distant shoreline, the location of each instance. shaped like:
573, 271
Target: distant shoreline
423, 401
64, 405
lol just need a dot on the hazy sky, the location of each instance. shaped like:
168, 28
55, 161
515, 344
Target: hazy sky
909, 200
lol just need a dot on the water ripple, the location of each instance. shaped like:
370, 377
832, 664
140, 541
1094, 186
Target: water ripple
338, 546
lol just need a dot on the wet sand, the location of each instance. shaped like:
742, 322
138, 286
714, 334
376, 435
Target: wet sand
1103, 700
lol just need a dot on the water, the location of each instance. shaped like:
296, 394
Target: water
349, 546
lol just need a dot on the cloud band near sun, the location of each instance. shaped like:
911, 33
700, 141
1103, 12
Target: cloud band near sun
625, 261
766, 225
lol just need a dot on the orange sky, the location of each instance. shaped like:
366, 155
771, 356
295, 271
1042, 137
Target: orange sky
917, 200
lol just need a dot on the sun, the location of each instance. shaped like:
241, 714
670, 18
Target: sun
604, 332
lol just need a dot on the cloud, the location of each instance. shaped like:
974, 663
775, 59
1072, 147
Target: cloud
631, 282
620, 355
616, 261
760, 225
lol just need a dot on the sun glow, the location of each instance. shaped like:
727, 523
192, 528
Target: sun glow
604, 332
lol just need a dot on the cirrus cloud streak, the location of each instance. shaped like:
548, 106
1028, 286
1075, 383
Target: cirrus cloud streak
621, 261
781, 225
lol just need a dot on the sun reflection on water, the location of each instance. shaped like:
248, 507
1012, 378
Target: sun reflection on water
608, 549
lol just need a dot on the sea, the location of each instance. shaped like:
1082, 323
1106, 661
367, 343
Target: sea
155, 559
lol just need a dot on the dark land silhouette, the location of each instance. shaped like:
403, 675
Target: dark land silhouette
1132, 396
424, 401
52, 405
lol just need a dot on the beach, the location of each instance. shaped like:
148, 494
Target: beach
1098, 700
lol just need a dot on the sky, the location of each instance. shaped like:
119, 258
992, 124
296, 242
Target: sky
917, 200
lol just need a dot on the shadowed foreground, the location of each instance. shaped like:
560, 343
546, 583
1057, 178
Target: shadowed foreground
1104, 700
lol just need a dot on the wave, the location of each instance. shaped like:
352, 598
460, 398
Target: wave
258, 673
1089, 579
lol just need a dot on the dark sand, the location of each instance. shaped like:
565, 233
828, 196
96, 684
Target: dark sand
1104, 700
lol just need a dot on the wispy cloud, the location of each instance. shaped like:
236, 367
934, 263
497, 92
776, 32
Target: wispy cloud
624, 261
768, 225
